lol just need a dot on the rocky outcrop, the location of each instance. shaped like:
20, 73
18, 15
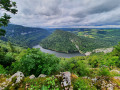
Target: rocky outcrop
42, 75
104, 50
66, 79
87, 53
107, 83
18, 75
32, 77
14, 79
115, 71
76, 46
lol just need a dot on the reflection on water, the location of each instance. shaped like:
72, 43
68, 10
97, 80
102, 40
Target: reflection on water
58, 54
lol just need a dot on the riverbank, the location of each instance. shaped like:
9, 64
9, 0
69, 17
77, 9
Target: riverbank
59, 54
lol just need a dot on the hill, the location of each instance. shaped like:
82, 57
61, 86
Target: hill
63, 41
108, 35
24, 36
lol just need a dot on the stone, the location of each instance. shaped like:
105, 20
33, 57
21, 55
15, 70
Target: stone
19, 76
66, 78
115, 71
94, 79
88, 53
42, 75
110, 87
32, 77
116, 77
27, 86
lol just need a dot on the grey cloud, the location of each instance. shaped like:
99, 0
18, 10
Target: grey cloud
61, 13
106, 6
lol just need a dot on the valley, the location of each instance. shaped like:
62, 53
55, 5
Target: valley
67, 40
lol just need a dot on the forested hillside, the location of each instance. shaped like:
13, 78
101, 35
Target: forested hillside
24, 36
108, 35
64, 41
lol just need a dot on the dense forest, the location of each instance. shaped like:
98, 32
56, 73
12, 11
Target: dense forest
110, 35
64, 41
24, 36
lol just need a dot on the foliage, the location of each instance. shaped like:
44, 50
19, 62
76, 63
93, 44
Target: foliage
35, 84
8, 6
6, 59
35, 62
2, 70
83, 84
76, 66
116, 51
11, 47
63, 41
104, 71
52, 83
24, 36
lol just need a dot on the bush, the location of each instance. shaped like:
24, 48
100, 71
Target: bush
35, 62
6, 59
76, 66
104, 71
2, 70
83, 84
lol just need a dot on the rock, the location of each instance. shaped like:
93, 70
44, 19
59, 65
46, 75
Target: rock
66, 78
42, 75
110, 87
71, 88
88, 53
94, 79
105, 50
14, 79
32, 77
19, 76
27, 86
116, 77
115, 71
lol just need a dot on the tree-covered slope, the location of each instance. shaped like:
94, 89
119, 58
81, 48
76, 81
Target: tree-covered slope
64, 41
111, 36
24, 36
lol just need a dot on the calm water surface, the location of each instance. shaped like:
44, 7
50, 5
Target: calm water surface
58, 54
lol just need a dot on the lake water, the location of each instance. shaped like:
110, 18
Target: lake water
58, 54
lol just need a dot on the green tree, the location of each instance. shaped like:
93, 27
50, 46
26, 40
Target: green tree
8, 6
76, 66
36, 62
11, 47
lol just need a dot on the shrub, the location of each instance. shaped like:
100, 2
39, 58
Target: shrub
104, 71
2, 70
6, 59
35, 62
52, 83
77, 66
83, 84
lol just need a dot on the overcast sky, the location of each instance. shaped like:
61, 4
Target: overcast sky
67, 13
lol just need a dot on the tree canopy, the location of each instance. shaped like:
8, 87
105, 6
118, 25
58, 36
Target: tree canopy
8, 6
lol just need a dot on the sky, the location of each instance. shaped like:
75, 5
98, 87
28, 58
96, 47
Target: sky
67, 13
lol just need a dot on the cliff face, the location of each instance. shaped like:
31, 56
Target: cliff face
105, 50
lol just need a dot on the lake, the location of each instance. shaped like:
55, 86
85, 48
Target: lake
59, 54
